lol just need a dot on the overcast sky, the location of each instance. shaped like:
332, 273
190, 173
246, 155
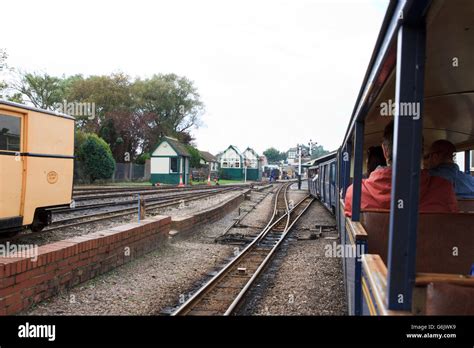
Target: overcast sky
271, 73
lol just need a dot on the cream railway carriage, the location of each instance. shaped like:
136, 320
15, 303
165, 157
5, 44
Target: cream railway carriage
36, 165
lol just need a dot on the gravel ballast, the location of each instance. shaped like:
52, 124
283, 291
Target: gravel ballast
153, 283
300, 280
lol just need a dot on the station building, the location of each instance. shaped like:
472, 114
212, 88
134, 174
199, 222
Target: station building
170, 162
252, 160
209, 160
235, 165
231, 162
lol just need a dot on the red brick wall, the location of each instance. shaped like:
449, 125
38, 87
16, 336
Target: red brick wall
63, 264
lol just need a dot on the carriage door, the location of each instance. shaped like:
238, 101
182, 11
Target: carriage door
11, 164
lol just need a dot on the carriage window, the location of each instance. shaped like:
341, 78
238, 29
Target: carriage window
10, 133
173, 164
333, 173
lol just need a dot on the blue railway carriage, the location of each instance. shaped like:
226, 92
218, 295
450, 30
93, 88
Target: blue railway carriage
322, 180
407, 262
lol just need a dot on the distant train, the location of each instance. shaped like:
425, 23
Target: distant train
402, 261
272, 170
322, 180
36, 163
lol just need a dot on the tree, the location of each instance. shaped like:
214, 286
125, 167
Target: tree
318, 151
130, 115
195, 160
142, 158
95, 158
273, 155
117, 119
173, 104
3, 67
3, 59
110, 95
5, 92
42, 90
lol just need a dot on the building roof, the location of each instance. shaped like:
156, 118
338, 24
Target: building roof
252, 151
235, 148
309, 163
180, 148
208, 157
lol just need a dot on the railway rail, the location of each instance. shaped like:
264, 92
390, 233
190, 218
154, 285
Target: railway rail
131, 198
151, 204
83, 194
222, 293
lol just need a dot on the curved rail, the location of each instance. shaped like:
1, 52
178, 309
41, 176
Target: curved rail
222, 293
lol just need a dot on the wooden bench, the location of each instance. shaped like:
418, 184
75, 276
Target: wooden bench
443, 294
445, 242
434, 294
466, 205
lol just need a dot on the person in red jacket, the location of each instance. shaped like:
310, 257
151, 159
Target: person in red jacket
436, 194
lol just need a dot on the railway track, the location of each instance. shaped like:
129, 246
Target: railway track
221, 294
80, 194
132, 199
151, 206
99, 216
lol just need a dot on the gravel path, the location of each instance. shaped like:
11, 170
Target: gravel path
300, 280
142, 287
257, 216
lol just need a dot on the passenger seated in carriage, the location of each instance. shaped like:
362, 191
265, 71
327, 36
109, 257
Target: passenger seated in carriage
375, 158
440, 161
436, 194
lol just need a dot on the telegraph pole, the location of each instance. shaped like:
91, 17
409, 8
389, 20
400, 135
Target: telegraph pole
299, 166
245, 171
299, 158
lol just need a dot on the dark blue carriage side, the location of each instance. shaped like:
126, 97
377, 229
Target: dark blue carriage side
388, 278
322, 178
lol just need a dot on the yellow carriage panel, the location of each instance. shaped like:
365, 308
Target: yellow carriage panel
48, 183
36, 163
50, 135
10, 186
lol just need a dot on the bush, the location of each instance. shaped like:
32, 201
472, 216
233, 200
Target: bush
195, 160
143, 158
95, 158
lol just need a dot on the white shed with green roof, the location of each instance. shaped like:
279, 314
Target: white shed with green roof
169, 162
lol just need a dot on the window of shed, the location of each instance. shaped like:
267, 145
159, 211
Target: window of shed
173, 164
10, 133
